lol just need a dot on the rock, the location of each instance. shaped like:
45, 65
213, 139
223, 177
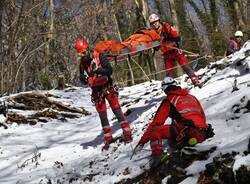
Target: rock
210, 169
243, 175
227, 175
128, 112
60, 82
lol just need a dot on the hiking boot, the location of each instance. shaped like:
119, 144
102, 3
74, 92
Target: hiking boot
106, 145
157, 160
196, 81
128, 139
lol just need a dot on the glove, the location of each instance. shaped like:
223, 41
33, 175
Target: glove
209, 132
84, 79
188, 123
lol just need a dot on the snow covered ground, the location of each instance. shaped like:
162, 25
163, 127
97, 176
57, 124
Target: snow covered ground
66, 150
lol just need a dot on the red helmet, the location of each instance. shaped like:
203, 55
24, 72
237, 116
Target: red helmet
81, 45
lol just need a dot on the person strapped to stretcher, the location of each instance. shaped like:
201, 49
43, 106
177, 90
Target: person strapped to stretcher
96, 71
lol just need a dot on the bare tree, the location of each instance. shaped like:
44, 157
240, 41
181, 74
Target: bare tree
238, 13
2, 4
49, 35
210, 20
38, 36
174, 17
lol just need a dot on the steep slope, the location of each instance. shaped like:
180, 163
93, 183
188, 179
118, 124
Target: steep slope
69, 151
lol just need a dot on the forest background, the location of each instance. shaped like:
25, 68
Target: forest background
38, 36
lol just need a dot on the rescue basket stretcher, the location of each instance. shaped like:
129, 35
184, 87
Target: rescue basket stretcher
144, 39
122, 54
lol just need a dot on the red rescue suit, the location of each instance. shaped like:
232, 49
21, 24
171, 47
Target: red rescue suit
97, 71
170, 43
184, 109
232, 46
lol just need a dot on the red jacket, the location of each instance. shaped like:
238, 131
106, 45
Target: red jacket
171, 37
180, 106
232, 46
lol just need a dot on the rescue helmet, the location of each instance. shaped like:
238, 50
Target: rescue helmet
153, 18
238, 34
81, 45
167, 81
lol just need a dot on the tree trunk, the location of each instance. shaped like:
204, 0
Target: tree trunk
1, 77
145, 11
214, 15
142, 6
49, 36
248, 10
1, 49
247, 15
174, 18
142, 12
24, 79
152, 6
210, 21
204, 6
120, 38
239, 15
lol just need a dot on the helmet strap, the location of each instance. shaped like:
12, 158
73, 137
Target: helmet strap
159, 29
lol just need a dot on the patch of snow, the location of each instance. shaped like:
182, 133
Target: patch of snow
71, 150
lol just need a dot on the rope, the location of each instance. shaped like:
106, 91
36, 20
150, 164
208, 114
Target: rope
183, 50
140, 68
166, 69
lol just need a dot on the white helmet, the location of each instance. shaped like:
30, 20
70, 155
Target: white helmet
167, 81
153, 18
238, 33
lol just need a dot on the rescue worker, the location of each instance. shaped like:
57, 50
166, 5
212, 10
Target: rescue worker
188, 125
169, 48
234, 45
95, 70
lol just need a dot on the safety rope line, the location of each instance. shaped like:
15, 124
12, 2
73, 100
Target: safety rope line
154, 73
183, 50
140, 68
135, 68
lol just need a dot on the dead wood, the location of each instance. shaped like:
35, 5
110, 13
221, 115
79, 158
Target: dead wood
43, 105
20, 119
38, 116
3, 125
40, 101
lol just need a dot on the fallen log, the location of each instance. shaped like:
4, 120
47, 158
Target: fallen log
40, 106
39, 101
34, 118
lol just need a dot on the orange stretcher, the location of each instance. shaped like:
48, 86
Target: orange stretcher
142, 40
